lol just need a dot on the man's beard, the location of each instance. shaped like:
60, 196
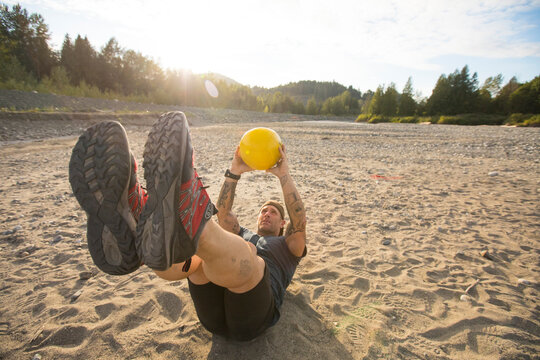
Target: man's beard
266, 231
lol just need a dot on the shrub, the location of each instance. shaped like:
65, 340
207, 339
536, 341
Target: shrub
523, 120
472, 119
517, 118
362, 118
378, 119
534, 120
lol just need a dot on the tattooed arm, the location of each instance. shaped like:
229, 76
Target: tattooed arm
295, 235
227, 219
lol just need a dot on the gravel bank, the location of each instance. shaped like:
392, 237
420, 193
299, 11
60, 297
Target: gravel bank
76, 114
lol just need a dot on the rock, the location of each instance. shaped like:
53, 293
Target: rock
85, 275
386, 242
12, 231
485, 254
493, 173
75, 296
465, 298
37, 357
525, 282
30, 249
56, 239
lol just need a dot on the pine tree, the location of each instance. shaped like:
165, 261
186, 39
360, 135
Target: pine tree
390, 101
84, 67
109, 66
526, 99
26, 38
502, 100
456, 94
407, 105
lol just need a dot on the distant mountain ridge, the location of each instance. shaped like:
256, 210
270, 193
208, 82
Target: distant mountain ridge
215, 77
305, 89
300, 91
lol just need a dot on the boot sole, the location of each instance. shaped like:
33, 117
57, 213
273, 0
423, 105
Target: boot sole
162, 238
99, 174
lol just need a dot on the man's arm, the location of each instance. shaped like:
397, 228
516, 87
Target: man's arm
295, 235
227, 219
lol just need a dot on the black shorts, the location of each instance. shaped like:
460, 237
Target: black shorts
235, 316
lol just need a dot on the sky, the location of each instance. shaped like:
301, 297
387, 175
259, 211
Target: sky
358, 43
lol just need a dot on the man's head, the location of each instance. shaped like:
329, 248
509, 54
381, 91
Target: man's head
271, 219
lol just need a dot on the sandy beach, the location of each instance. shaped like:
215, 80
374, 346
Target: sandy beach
423, 240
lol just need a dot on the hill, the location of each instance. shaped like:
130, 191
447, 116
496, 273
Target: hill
303, 90
215, 77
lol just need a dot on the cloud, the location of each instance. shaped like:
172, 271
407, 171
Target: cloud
417, 29
412, 33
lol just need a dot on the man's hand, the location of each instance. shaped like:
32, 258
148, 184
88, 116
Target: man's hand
238, 166
282, 166
296, 231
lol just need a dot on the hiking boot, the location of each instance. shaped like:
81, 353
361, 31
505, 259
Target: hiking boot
178, 206
102, 173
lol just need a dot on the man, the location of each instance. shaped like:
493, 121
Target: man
237, 284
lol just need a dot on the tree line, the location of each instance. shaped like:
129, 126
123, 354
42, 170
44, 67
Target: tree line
27, 63
459, 93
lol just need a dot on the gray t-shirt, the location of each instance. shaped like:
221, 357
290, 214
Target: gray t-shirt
280, 262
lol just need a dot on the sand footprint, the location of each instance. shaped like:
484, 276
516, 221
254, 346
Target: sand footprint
356, 333
393, 271
423, 347
171, 305
104, 310
361, 284
137, 316
67, 336
4, 328
67, 313
317, 292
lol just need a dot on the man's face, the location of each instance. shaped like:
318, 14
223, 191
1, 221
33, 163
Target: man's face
269, 221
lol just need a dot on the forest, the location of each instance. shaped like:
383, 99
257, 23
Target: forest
28, 63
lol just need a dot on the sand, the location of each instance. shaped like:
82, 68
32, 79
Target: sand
398, 218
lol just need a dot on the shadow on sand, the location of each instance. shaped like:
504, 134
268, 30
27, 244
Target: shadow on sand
300, 333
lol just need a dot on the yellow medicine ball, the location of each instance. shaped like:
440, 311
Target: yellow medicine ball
259, 148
